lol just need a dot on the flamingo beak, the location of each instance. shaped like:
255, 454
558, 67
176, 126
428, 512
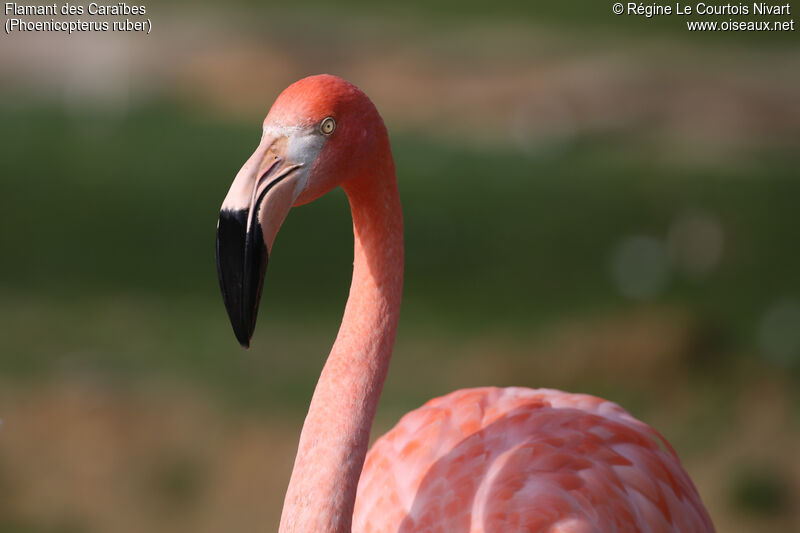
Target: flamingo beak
254, 209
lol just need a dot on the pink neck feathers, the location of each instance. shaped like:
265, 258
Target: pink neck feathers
335, 435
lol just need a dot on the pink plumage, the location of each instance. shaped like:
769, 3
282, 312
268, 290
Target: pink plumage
479, 460
516, 459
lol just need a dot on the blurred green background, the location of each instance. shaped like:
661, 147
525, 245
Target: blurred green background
595, 203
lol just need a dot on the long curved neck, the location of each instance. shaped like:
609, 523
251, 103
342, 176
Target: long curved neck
335, 436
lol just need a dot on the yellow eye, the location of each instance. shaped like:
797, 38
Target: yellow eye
327, 126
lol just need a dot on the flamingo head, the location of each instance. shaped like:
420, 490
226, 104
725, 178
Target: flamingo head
319, 133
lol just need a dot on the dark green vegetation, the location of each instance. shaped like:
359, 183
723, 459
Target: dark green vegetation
759, 490
108, 246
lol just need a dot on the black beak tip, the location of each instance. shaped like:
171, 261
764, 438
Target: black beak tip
243, 341
241, 263
243, 337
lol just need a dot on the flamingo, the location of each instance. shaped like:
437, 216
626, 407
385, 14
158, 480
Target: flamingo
475, 460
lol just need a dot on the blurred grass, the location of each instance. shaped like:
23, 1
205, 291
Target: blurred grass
131, 202
110, 223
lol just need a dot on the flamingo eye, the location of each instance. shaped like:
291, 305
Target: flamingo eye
327, 126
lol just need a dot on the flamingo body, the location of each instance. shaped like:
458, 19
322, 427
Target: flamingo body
517, 459
479, 460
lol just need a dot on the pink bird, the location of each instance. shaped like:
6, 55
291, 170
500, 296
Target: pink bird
476, 460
